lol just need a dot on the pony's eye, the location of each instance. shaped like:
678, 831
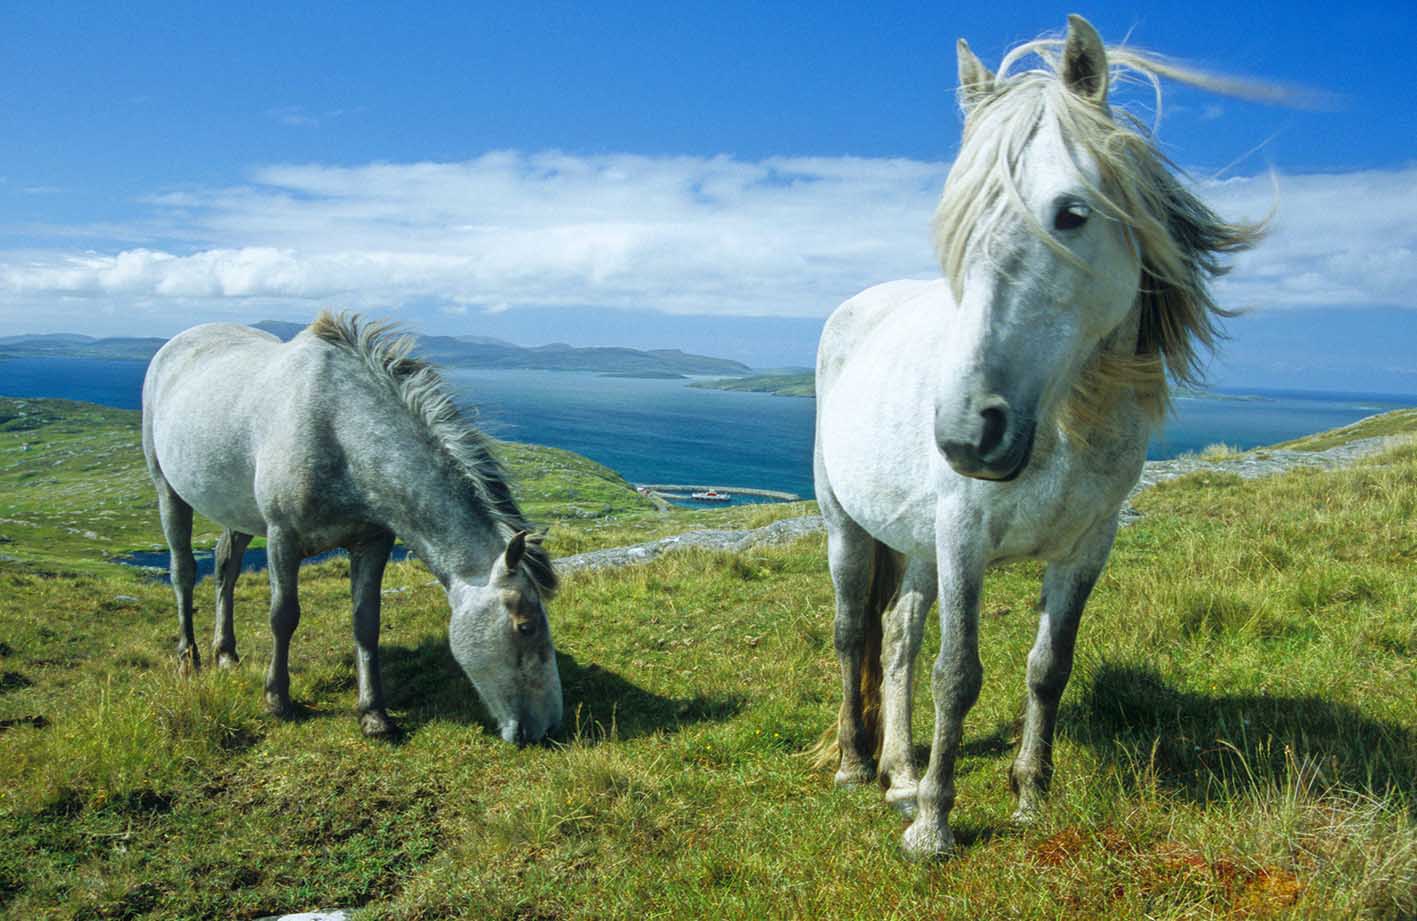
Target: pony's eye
1071, 216
526, 627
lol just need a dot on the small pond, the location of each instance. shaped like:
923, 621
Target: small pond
254, 560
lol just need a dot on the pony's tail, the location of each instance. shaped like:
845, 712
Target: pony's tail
885, 585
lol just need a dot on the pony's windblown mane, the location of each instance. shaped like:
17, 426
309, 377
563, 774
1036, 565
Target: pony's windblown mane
1180, 239
387, 352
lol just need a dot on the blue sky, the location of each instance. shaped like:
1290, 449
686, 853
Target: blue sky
647, 174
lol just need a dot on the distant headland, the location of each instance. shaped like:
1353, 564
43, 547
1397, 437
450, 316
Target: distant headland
448, 351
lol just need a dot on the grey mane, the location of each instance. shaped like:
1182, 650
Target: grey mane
387, 352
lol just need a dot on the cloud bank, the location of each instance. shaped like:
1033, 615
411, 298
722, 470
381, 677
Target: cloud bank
687, 235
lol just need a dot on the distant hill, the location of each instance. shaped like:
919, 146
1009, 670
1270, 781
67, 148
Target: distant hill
283, 330
449, 351
65, 345
797, 384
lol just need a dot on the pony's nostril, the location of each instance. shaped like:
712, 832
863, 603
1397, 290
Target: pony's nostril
996, 423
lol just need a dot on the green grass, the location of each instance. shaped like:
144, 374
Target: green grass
1239, 739
1397, 422
1219, 452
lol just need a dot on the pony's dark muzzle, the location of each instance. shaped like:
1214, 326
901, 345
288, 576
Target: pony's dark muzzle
529, 731
990, 441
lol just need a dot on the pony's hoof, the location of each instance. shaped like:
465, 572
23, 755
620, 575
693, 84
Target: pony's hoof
227, 660
377, 725
1027, 812
927, 840
852, 775
189, 662
902, 798
279, 706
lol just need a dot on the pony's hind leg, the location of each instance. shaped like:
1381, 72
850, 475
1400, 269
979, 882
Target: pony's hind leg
229, 549
176, 518
366, 574
858, 567
283, 558
1066, 587
903, 628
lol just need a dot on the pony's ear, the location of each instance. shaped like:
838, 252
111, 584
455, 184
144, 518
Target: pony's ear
1085, 61
975, 80
516, 549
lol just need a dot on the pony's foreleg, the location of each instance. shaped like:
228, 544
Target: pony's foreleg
283, 559
366, 574
229, 549
900, 645
955, 683
851, 558
176, 518
1066, 587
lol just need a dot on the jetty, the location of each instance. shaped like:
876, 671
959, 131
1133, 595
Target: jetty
684, 491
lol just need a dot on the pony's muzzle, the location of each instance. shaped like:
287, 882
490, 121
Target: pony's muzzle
528, 731
988, 441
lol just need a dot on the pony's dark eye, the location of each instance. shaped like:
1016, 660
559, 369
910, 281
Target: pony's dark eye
526, 627
1071, 216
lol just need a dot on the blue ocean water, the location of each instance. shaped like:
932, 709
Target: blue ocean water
663, 431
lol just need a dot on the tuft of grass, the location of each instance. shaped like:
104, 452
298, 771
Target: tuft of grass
1219, 452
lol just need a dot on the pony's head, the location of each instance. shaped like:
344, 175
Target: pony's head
1078, 263
501, 637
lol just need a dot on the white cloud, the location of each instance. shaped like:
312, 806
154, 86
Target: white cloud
782, 236
1344, 239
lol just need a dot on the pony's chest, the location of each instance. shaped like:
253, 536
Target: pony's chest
1050, 513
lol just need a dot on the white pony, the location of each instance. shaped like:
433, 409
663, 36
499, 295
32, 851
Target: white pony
339, 438
1003, 413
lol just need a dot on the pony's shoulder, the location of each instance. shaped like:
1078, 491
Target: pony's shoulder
862, 313
858, 317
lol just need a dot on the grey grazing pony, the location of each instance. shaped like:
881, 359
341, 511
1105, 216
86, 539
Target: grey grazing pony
339, 439
1003, 413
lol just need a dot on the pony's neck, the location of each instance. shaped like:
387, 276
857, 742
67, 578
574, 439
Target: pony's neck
1115, 390
424, 499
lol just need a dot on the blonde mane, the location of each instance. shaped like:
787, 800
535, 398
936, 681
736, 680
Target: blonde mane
385, 351
1180, 239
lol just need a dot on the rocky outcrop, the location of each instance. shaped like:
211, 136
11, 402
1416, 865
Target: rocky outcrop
1252, 464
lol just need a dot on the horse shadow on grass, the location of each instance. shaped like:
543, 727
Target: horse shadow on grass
425, 683
1208, 745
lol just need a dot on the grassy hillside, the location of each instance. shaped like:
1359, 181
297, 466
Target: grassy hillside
1239, 739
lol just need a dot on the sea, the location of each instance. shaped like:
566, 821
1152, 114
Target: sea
664, 431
